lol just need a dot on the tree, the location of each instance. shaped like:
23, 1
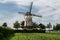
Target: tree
54, 27
22, 24
4, 24
35, 25
58, 27
49, 26
42, 26
16, 25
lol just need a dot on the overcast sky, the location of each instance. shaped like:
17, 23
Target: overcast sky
49, 9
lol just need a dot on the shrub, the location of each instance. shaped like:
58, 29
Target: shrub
5, 32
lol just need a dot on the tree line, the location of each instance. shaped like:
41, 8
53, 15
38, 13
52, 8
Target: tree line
35, 25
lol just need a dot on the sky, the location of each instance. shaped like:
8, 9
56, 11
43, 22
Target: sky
49, 9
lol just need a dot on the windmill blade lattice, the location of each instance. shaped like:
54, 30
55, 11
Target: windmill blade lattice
36, 15
31, 7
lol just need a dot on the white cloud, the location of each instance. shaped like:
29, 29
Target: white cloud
11, 20
49, 9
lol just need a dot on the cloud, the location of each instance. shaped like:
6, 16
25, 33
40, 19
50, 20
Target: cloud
9, 12
49, 9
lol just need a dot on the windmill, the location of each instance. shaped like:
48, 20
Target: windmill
28, 17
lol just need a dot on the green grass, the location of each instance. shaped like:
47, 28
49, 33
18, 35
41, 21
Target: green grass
36, 36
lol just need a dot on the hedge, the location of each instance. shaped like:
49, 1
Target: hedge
5, 32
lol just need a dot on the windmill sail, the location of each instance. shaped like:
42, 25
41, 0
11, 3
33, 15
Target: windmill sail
21, 12
36, 15
31, 7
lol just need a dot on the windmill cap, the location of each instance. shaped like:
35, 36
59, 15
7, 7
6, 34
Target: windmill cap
28, 13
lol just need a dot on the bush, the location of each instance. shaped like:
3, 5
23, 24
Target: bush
34, 29
5, 32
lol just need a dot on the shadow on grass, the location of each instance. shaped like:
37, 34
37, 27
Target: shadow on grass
29, 31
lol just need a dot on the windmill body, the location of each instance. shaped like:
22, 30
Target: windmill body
28, 20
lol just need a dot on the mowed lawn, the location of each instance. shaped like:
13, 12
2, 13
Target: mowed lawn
36, 36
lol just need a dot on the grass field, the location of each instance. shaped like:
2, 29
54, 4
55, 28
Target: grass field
36, 36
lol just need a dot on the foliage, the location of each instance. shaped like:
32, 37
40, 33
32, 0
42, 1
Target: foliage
42, 26
35, 25
57, 27
34, 29
4, 24
22, 23
54, 27
49, 25
16, 25
5, 32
